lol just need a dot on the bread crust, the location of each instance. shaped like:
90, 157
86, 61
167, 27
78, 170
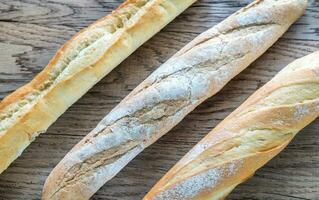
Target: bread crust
248, 138
81, 62
192, 75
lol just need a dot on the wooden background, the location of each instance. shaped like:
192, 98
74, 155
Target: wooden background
32, 30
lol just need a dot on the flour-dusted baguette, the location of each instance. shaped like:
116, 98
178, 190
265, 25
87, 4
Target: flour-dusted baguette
247, 139
77, 66
195, 73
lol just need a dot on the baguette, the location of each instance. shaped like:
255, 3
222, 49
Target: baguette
192, 75
248, 138
77, 66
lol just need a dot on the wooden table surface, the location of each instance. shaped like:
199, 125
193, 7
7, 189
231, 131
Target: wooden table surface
32, 30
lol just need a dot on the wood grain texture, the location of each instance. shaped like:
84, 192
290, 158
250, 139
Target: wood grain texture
32, 30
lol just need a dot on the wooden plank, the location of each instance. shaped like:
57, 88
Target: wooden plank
32, 30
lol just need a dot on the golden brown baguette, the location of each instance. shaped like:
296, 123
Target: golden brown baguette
247, 139
77, 66
195, 73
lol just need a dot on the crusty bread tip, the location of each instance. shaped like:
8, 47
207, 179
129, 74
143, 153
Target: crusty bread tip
192, 75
